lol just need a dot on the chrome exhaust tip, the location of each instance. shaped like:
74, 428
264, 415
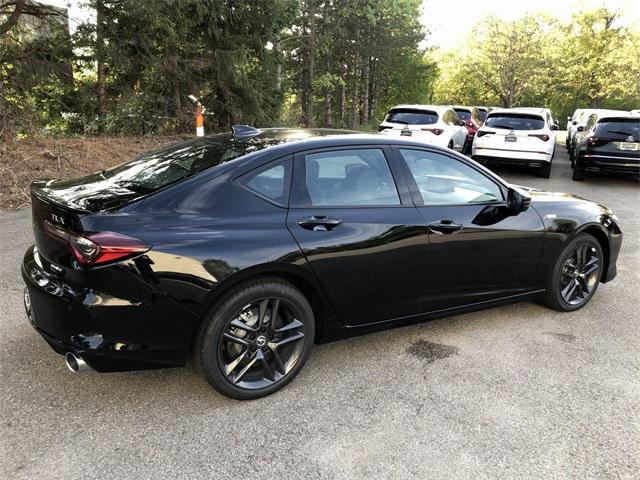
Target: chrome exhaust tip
75, 363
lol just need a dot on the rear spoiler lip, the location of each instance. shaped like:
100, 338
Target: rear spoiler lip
38, 189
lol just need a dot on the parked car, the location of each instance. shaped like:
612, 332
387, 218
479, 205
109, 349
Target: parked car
609, 143
579, 129
432, 124
578, 118
517, 136
482, 114
471, 118
245, 249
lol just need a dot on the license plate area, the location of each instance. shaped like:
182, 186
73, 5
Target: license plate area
510, 138
628, 146
405, 132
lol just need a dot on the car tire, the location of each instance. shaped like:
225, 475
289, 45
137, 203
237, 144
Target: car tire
579, 174
545, 171
275, 359
561, 273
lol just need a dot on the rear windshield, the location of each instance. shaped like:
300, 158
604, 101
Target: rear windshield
158, 169
463, 114
408, 116
515, 121
626, 130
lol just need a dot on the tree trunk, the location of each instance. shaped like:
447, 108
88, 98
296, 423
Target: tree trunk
100, 87
13, 18
365, 92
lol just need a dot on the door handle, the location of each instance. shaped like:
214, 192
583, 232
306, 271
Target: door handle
319, 223
445, 227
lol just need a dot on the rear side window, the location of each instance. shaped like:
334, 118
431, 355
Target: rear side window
515, 121
269, 182
354, 177
409, 116
626, 130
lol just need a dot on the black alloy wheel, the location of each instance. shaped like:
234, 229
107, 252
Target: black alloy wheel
576, 275
261, 344
257, 340
580, 274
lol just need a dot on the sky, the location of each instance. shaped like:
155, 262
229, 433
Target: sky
450, 20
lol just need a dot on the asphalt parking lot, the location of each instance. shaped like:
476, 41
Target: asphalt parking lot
517, 391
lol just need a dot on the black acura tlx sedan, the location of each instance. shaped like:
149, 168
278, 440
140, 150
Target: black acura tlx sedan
247, 248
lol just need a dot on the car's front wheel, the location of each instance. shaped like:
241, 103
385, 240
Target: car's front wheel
257, 340
576, 274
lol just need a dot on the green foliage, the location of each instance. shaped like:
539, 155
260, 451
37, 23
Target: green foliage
590, 61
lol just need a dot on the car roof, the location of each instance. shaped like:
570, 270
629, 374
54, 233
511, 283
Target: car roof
436, 108
462, 107
519, 110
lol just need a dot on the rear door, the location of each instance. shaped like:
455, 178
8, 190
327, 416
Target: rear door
478, 250
359, 231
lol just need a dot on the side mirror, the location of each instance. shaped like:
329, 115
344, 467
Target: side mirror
555, 127
517, 200
568, 119
580, 128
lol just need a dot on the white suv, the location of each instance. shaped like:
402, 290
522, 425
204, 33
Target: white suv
431, 124
517, 136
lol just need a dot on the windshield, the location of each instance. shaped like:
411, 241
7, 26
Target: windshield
409, 116
482, 114
626, 130
515, 121
463, 114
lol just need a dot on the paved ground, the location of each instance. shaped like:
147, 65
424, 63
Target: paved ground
519, 391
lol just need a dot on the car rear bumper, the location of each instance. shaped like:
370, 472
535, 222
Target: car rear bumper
511, 157
609, 164
109, 335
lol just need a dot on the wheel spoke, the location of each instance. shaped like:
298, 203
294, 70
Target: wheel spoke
266, 368
278, 361
275, 306
247, 367
593, 267
293, 338
568, 290
237, 323
235, 339
262, 312
290, 326
234, 364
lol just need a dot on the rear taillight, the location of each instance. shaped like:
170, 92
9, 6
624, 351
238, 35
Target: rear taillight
435, 131
541, 136
98, 248
482, 133
381, 128
592, 141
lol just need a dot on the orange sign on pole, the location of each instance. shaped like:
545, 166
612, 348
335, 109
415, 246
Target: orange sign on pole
199, 120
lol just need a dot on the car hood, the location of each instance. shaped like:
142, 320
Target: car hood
560, 204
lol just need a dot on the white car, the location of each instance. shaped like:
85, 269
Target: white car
432, 124
517, 136
579, 118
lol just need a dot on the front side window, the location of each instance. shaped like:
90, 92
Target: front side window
515, 121
345, 178
443, 180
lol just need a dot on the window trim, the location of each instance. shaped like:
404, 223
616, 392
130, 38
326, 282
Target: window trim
415, 190
287, 161
397, 175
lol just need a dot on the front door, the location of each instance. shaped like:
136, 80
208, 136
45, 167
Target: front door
362, 236
478, 249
